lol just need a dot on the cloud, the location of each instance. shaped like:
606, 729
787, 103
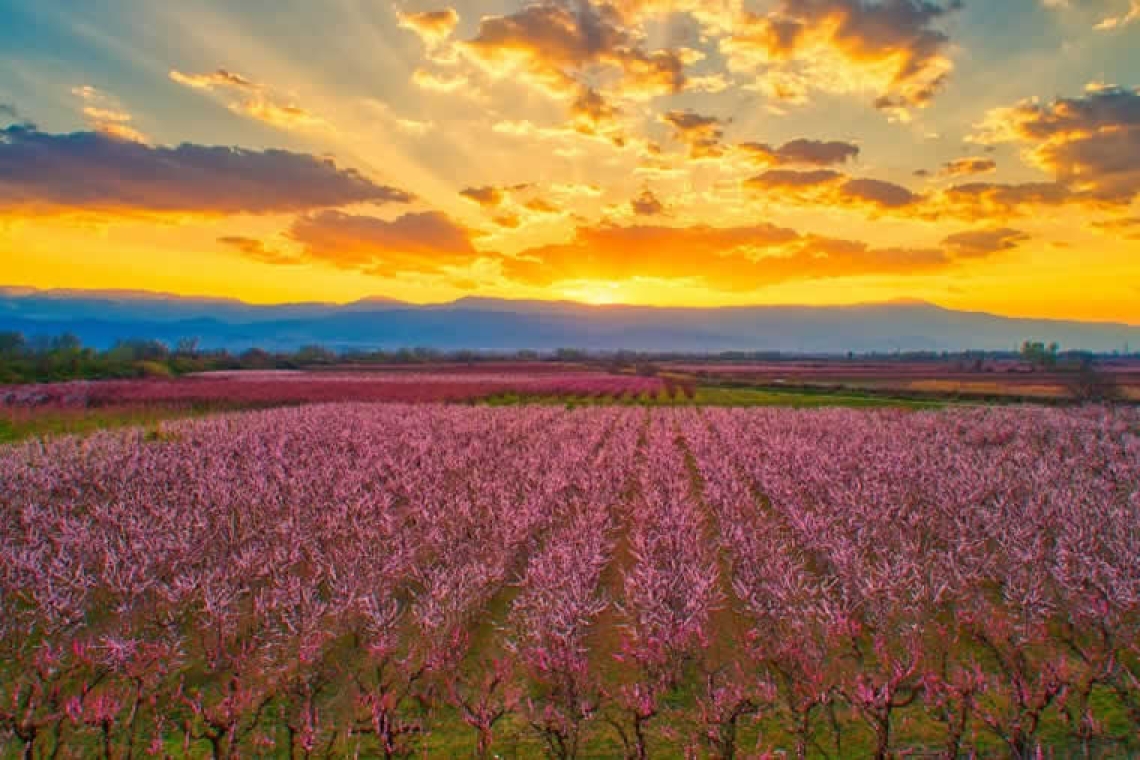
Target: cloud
980, 243
979, 200
701, 133
212, 79
716, 16
829, 187
487, 197
791, 179
1126, 18
731, 259
592, 113
38, 173
1090, 143
967, 166
448, 83
554, 45
105, 114
1127, 227
496, 197
878, 193
888, 48
541, 206
647, 204
253, 100
426, 242
256, 250
9, 110
803, 152
432, 27
508, 220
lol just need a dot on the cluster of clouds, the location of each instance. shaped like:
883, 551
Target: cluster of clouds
593, 56
892, 50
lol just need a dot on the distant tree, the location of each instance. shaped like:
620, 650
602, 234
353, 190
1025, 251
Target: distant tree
257, 358
314, 354
1038, 354
187, 347
66, 343
12, 344
570, 355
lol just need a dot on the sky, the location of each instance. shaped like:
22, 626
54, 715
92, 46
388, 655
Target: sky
980, 155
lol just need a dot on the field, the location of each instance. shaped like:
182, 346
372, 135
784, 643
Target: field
979, 379
390, 580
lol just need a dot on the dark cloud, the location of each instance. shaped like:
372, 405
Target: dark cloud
791, 179
1089, 143
418, 242
508, 220
966, 166
591, 112
487, 196
1127, 227
981, 199
541, 206
701, 133
647, 204
878, 193
51, 173
10, 111
979, 243
803, 152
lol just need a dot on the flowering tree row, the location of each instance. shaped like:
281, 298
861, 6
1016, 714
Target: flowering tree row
277, 388
976, 571
387, 580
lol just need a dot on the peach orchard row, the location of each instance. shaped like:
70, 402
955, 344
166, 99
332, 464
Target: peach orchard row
385, 580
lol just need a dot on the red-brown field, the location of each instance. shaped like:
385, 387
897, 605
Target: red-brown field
989, 378
279, 387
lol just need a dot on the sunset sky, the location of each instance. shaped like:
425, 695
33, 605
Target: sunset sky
979, 154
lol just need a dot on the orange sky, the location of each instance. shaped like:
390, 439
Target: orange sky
692, 152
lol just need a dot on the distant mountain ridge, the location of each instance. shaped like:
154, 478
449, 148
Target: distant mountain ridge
100, 318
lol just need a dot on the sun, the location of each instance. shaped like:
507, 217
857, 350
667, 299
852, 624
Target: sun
595, 292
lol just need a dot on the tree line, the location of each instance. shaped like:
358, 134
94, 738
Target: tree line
63, 357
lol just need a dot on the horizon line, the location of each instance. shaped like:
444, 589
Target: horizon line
142, 293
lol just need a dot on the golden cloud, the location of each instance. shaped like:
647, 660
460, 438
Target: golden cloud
702, 134
432, 27
731, 259
255, 101
890, 49
967, 166
1090, 144
425, 242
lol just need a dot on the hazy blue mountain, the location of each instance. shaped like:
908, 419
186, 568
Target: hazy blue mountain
100, 318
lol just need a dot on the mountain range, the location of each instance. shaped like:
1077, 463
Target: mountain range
99, 318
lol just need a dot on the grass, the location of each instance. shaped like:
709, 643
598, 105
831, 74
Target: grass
18, 424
